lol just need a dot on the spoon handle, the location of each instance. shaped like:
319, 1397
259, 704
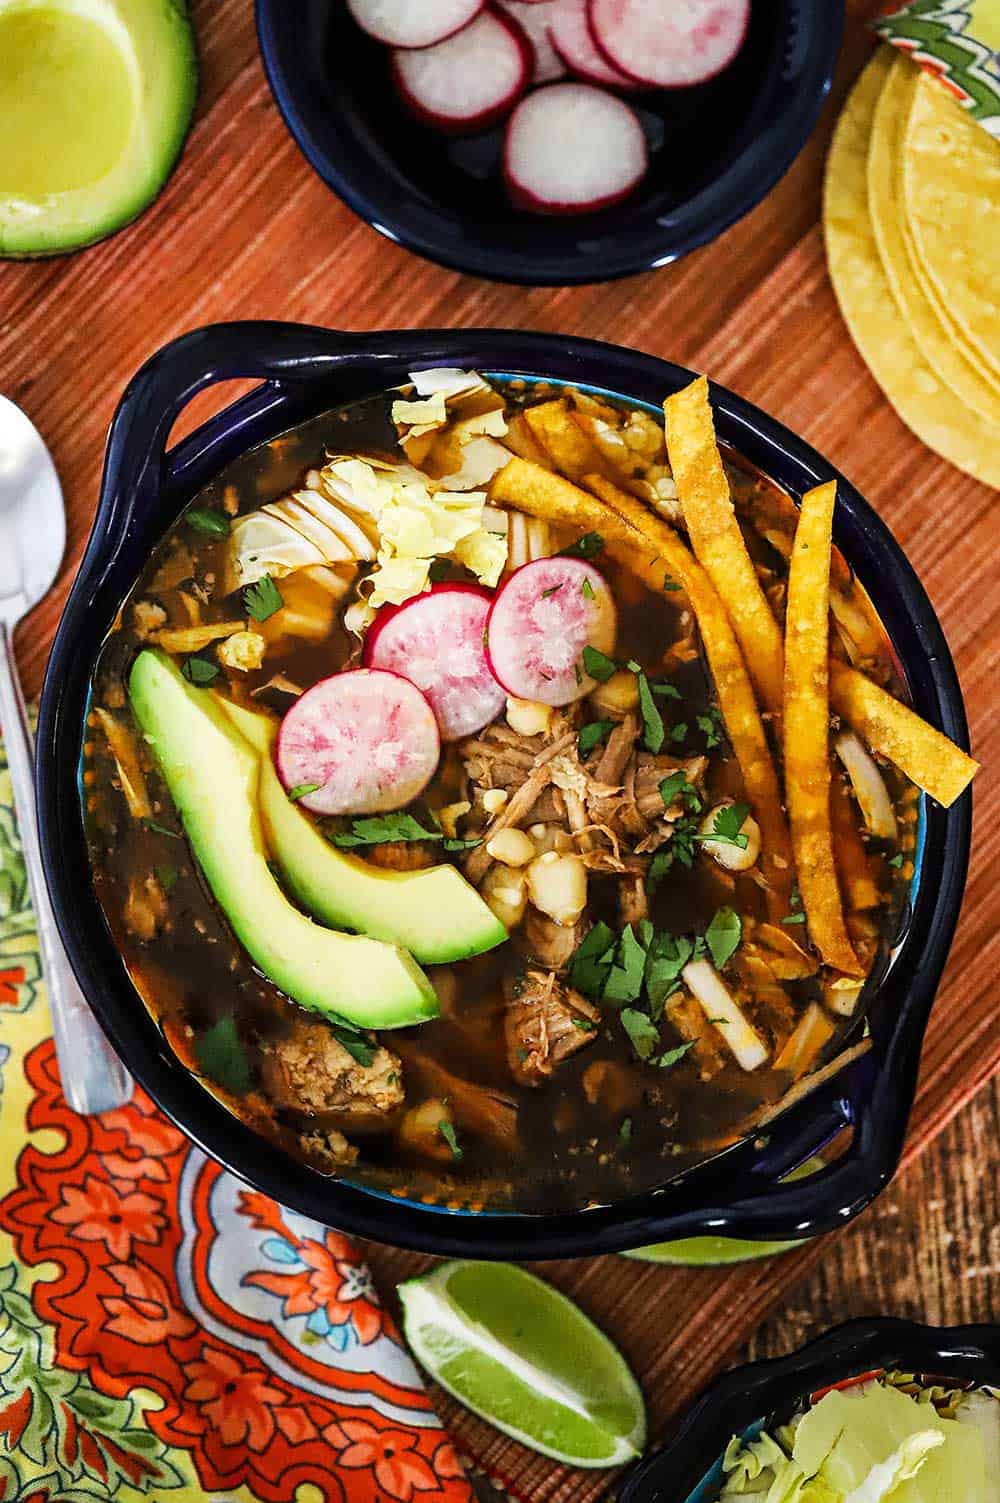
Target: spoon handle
93, 1077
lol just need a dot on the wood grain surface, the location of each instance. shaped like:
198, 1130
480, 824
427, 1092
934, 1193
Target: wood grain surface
245, 230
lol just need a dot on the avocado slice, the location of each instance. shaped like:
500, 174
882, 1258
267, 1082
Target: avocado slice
435, 913
96, 98
213, 776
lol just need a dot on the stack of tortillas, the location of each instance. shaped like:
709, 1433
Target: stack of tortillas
912, 218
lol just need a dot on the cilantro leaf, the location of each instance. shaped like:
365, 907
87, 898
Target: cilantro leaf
592, 735
671, 1056
598, 664
589, 546
221, 1056
710, 727
199, 671
263, 598
453, 844
896, 861
679, 731
641, 1030
448, 1133
670, 584
624, 982
723, 936
379, 829
357, 1047
728, 825
587, 589
155, 829
301, 789
202, 519
653, 732
667, 959
676, 786
666, 691
592, 960
794, 918
625, 1130
167, 876
661, 863
552, 590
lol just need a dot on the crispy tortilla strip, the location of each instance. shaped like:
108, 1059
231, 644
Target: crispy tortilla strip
521, 441
892, 730
807, 729
854, 868
570, 449
627, 526
716, 538
195, 638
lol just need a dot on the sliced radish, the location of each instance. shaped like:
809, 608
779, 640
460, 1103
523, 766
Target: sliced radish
669, 46
401, 23
436, 641
570, 36
571, 148
368, 740
469, 81
540, 622
534, 18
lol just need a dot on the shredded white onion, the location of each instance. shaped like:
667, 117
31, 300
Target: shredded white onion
705, 983
869, 786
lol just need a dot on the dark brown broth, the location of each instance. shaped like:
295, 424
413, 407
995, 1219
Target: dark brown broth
193, 973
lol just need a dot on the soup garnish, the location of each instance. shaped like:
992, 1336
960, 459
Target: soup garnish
501, 797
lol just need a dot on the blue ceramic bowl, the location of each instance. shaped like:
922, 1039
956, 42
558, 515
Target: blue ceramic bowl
715, 149
304, 372
689, 1470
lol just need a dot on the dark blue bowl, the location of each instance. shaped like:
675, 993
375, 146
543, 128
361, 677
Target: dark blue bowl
715, 149
689, 1469
305, 371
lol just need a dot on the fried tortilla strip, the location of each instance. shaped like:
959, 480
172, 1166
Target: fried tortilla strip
627, 528
854, 868
895, 732
807, 729
520, 440
716, 538
570, 449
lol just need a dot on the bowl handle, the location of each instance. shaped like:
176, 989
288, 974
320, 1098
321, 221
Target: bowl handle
281, 354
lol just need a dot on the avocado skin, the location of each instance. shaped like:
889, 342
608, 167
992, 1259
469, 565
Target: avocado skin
167, 58
436, 914
212, 775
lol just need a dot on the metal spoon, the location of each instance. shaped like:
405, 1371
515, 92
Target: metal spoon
32, 539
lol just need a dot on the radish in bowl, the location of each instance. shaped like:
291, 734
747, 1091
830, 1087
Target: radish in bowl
572, 148
540, 625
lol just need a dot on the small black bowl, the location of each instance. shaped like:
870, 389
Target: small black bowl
688, 1469
305, 371
715, 149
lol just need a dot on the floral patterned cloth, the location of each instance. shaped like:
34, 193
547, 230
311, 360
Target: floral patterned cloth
164, 1332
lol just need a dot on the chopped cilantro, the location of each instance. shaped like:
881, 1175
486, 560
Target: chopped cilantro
584, 1024
587, 589
199, 671
357, 1047
551, 591
679, 731
661, 863
625, 978
794, 918
667, 958
578, 671
641, 1030
592, 735
670, 584
666, 691
459, 845
263, 598
625, 1130
586, 547
221, 1056
652, 721
598, 664
301, 789
167, 876
379, 829
728, 826
896, 861
448, 1133
710, 726
723, 936
671, 1056
592, 960
201, 519
676, 786
150, 824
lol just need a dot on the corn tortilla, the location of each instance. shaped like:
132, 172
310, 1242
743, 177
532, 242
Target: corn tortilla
951, 190
936, 341
923, 402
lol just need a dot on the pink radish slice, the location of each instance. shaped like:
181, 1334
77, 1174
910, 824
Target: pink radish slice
571, 39
534, 18
571, 148
669, 46
469, 81
436, 641
540, 622
368, 739
401, 23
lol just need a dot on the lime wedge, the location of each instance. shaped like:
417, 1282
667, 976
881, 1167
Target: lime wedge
521, 1355
714, 1252
95, 101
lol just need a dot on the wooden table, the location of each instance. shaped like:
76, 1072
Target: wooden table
244, 230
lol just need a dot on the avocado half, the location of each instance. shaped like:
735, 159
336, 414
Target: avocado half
96, 98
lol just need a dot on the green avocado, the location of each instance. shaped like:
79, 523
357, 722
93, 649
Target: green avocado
213, 775
96, 98
435, 913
